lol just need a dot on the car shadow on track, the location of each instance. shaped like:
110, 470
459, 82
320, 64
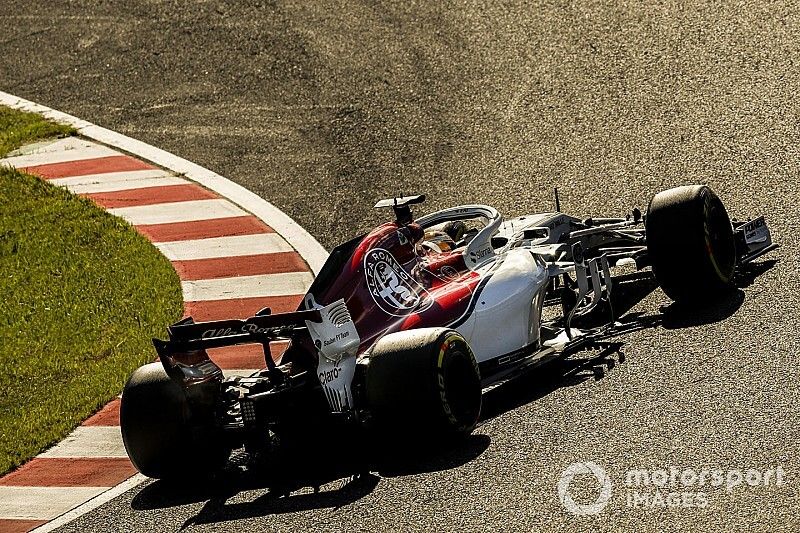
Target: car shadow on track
300, 483
675, 315
547, 379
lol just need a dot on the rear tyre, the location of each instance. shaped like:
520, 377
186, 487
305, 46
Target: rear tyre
690, 243
161, 437
424, 381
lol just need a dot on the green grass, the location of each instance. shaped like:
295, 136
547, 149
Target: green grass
18, 128
81, 294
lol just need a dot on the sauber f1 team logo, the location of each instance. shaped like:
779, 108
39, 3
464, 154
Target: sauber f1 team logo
392, 288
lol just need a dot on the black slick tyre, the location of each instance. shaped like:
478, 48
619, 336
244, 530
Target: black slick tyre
425, 380
690, 243
162, 438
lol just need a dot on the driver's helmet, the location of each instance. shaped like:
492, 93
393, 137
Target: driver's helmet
445, 239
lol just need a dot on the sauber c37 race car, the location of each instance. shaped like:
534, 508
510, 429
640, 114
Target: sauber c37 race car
407, 326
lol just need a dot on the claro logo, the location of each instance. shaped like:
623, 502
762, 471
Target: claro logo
329, 375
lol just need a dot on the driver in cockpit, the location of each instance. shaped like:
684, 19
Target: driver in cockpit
446, 239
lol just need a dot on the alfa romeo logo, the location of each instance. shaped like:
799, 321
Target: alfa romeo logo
392, 288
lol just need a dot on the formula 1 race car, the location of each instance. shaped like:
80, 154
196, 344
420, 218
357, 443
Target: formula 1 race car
407, 326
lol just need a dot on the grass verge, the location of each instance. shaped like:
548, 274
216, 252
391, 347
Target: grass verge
18, 128
81, 294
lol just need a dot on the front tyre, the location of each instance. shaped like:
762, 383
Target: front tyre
426, 380
690, 243
162, 438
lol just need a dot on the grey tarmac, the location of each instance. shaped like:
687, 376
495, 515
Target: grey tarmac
324, 107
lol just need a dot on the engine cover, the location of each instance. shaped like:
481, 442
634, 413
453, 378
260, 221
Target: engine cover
508, 306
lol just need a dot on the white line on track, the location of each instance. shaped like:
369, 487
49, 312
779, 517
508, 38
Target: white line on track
260, 243
118, 181
53, 145
285, 284
42, 503
90, 441
61, 151
178, 212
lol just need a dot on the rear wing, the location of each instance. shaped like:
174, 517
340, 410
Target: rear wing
264, 326
184, 355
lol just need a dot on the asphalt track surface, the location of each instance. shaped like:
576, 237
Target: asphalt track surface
322, 108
